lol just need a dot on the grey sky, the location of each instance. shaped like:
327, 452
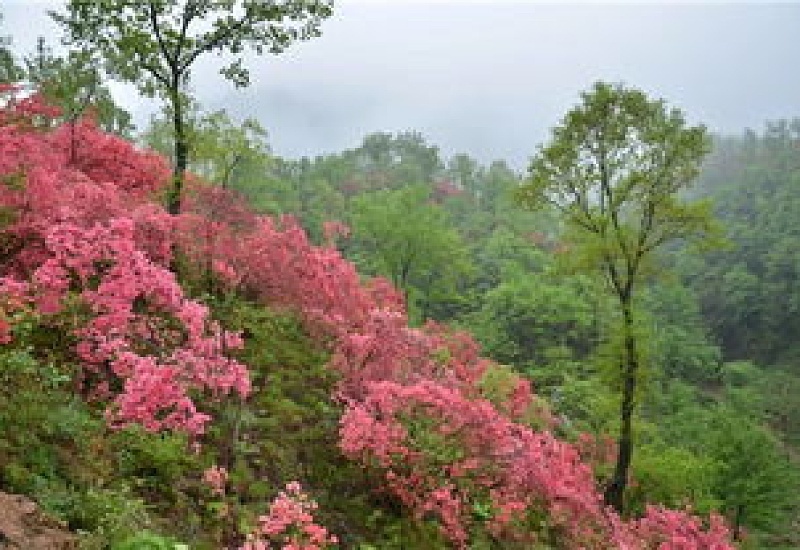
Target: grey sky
490, 78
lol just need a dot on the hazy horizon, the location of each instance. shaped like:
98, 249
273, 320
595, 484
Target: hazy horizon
491, 79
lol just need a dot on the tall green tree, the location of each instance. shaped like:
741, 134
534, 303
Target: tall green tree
614, 168
221, 150
399, 234
756, 483
74, 83
155, 44
10, 71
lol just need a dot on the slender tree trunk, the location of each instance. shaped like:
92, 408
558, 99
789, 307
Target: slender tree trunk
209, 268
181, 152
179, 169
737, 522
228, 173
615, 492
73, 143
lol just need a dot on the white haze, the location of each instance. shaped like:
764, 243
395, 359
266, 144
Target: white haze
490, 78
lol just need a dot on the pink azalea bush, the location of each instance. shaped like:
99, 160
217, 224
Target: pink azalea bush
289, 525
663, 529
79, 232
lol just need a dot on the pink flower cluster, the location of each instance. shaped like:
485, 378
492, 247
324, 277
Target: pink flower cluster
290, 525
85, 228
663, 529
442, 453
142, 329
216, 477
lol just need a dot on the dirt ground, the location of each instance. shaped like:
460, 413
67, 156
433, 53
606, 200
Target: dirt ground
24, 527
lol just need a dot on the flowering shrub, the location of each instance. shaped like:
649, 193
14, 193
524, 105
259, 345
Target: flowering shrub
141, 330
462, 461
86, 230
289, 525
663, 529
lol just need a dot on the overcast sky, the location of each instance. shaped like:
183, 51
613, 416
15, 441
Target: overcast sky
490, 78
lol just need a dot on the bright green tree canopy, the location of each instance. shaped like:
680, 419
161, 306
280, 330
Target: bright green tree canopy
155, 42
615, 168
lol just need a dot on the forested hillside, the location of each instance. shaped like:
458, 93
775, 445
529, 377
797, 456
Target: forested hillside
204, 345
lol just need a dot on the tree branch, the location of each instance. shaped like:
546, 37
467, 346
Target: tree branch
157, 33
156, 73
215, 40
186, 19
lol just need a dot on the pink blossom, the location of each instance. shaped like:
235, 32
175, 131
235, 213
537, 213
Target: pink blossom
290, 525
216, 477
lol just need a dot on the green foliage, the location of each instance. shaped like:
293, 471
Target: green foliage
614, 169
712, 451
319, 190
674, 477
394, 161
535, 323
105, 515
400, 235
10, 71
54, 446
158, 466
305, 190
680, 344
505, 254
74, 84
780, 391
749, 291
222, 151
36, 412
755, 480
465, 170
681, 412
